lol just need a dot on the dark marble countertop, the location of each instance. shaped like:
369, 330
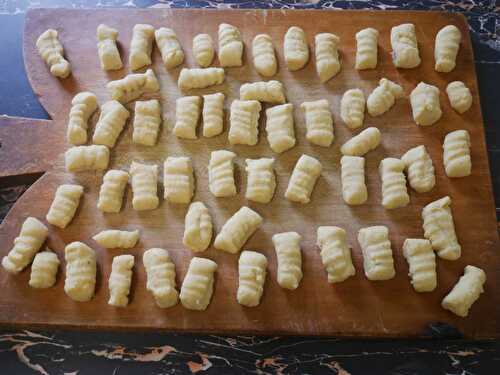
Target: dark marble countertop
70, 352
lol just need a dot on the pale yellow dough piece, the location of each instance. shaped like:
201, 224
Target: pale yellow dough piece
198, 285
422, 264
144, 186
198, 227
203, 50
44, 270
465, 292
319, 122
147, 121
287, 246
264, 56
178, 179
141, 46
230, 46
63, 207
383, 97
160, 272
279, 127
354, 191
109, 55
81, 271
244, 122
394, 192
112, 191
359, 145
252, 276
304, 177
270, 92
117, 239
187, 115
200, 78
405, 46
169, 46
213, 114
295, 48
459, 96
111, 123
366, 49
87, 158
456, 154
377, 253
261, 180
425, 104
419, 168
335, 253
52, 52
327, 56
352, 108
120, 280
83, 106
221, 173
133, 86
446, 48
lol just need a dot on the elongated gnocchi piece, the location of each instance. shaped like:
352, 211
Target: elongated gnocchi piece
203, 50
120, 280
446, 48
405, 46
264, 57
287, 246
394, 192
44, 270
221, 173
160, 273
169, 46
383, 97
304, 177
352, 108
213, 114
117, 239
112, 191
63, 207
269, 92
141, 46
111, 123
198, 227
178, 179
319, 122
81, 271
230, 46
295, 48
109, 56
261, 180
144, 186
279, 127
83, 106
52, 52
354, 191
420, 170
86, 158
366, 141
237, 230
187, 115
198, 285
244, 122
440, 229
133, 86
465, 292
459, 96
327, 56
335, 253
147, 122
200, 78
252, 276
377, 253
366, 49
425, 104
422, 263
31, 238
456, 154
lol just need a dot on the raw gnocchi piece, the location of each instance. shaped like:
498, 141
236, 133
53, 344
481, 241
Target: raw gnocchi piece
169, 46
377, 253
354, 191
197, 227
133, 86
335, 253
144, 186
425, 104
287, 246
112, 190
456, 154
383, 97
117, 239
221, 173
213, 114
352, 108
198, 285
160, 273
422, 263
203, 50
264, 57
269, 92
111, 123
295, 48
465, 292
279, 127
261, 180
252, 276
405, 46
366, 49
200, 78
87, 158
304, 177
319, 122
178, 179
230, 46
44, 270
366, 141
237, 230
420, 170
81, 270
459, 96
109, 56
141, 46
244, 122
394, 192
327, 56
187, 115
147, 122
51, 50
31, 238
63, 207
120, 280
446, 48
440, 229
83, 106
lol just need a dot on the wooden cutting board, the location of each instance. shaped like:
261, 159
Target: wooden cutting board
355, 307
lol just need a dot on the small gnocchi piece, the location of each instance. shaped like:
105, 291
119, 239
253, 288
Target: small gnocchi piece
420, 170
44, 270
120, 280
352, 108
237, 230
52, 52
178, 179
31, 238
147, 122
87, 158
359, 145
141, 46
252, 276
422, 263
144, 186
111, 123
83, 106
327, 56
169, 46
198, 227
354, 191
394, 192
133, 86
221, 173
287, 246
456, 154
383, 97
112, 191
465, 292
366, 49
446, 48
213, 114
63, 207
279, 127
335, 253
160, 273
440, 229
81, 271
319, 122
117, 239
200, 78
377, 253
230, 46
405, 46
198, 285
269, 92
187, 115
261, 180
459, 96
264, 57
425, 104
109, 56
203, 50
304, 177
295, 48
244, 122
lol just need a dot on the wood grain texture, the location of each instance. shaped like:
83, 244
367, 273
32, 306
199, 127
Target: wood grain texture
354, 307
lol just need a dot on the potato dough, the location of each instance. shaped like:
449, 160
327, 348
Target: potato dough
404, 46
287, 246
197, 227
261, 180
422, 263
87, 158
335, 253
377, 253
200, 78
111, 123
366, 141
295, 48
63, 207
109, 55
81, 271
252, 275
459, 96
319, 122
112, 191
117, 239
83, 106
304, 177
120, 280
44, 270
198, 285
352, 108
425, 104
230, 46
264, 57
456, 154
354, 191
160, 272
178, 179
144, 186
141, 46
366, 49
169, 46
465, 292
51, 50
279, 127
446, 48
203, 50
221, 173
394, 192
244, 122
420, 170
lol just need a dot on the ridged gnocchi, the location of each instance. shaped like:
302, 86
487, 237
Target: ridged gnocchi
213, 114
304, 177
377, 253
425, 104
327, 56
252, 276
198, 227
160, 273
178, 179
422, 264
200, 78
141, 46
144, 186
109, 55
117, 239
133, 86
335, 253
465, 292
83, 106
111, 123
87, 158
187, 115
459, 96
120, 280
112, 191
230, 46
244, 122
456, 154
52, 52
405, 46
147, 121
420, 170
319, 122
366, 49
169, 46
354, 191
383, 97
81, 271
44, 270
264, 57
63, 207
394, 192
289, 255
270, 92
261, 180
203, 50
198, 285
352, 108
221, 173
446, 48
279, 127
295, 48
359, 145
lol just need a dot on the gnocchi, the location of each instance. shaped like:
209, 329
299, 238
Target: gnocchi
269, 92
319, 122
304, 177
111, 123
465, 292
187, 115
198, 227
295, 48
160, 273
422, 263
405, 46
359, 145
287, 246
147, 122
83, 106
279, 127
264, 57
52, 52
198, 285
335, 253
394, 192
141, 46
221, 173
366, 49
63, 207
456, 154
446, 48
352, 108
203, 50
200, 78
81, 271
327, 56
252, 276
383, 97
354, 191
144, 186
87, 158
109, 56
377, 253
261, 180
244, 122
425, 104
133, 86
459, 96
178, 179
230, 46
112, 191
117, 239
44, 270
120, 280
420, 170
213, 114
169, 46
